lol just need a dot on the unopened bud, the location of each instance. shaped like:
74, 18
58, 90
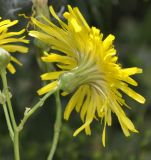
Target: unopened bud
5, 58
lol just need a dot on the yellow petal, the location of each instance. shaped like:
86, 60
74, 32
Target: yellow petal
88, 130
58, 58
47, 88
41, 36
16, 61
9, 24
81, 18
56, 16
128, 123
10, 34
12, 40
15, 48
4, 22
109, 117
133, 94
66, 67
132, 70
51, 75
85, 105
81, 128
55, 43
81, 98
91, 106
131, 81
71, 104
64, 93
103, 135
11, 68
52, 30
75, 25
107, 43
125, 129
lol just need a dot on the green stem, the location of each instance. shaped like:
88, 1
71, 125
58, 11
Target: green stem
11, 132
5, 85
29, 112
14, 135
16, 145
57, 127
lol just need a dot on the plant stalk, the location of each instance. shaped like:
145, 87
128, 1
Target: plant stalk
7, 94
39, 104
13, 131
16, 145
57, 127
9, 125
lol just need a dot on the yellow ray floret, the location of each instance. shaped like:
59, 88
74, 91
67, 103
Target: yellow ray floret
89, 69
47, 88
9, 41
51, 75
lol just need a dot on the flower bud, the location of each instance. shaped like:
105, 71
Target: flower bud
4, 58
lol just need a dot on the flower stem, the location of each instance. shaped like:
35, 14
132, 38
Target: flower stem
16, 129
39, 104
9, 125
57, 127
5, 85
16, 145
14, 133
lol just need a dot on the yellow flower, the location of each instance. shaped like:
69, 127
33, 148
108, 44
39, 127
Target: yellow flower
7, 41
89, 68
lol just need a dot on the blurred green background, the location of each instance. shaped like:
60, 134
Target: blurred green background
130, 22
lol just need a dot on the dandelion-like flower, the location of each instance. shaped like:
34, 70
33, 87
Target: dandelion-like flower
7, 41
89, 68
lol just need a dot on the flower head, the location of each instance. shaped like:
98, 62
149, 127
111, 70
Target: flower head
89, 68
7, 41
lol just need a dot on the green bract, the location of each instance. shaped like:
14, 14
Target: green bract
4, 58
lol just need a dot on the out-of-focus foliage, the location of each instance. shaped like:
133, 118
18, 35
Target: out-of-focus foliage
130, 22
